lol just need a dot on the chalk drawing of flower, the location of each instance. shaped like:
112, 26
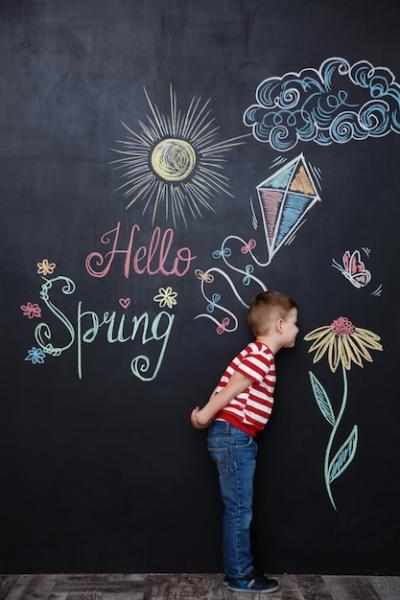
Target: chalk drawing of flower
45, 267
36, 356
166, 297
344, 344
31, 310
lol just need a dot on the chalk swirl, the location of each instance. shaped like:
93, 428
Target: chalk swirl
335, 104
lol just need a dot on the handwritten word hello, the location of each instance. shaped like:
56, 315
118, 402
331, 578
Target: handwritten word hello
151, 260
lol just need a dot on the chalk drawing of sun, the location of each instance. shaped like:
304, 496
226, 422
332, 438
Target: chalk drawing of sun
174, 164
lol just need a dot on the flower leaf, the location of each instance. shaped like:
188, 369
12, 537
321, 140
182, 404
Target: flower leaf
322, 399
344, 456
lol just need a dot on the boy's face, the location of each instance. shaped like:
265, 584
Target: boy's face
290, 329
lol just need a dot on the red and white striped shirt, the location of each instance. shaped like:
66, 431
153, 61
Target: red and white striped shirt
251, 409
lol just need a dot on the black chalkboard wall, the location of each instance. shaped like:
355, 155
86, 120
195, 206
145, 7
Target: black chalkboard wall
257, 147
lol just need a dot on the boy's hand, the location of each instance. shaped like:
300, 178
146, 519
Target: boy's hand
198, 420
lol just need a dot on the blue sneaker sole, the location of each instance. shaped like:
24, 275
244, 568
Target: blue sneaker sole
251, 590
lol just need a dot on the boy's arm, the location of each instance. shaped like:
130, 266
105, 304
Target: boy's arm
236, 385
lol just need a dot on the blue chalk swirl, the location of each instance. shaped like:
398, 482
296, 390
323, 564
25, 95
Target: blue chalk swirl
335, 104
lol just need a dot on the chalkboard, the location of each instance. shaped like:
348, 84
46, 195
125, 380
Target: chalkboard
161, 163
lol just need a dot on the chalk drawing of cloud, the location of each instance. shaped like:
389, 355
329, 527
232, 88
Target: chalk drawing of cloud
336, 103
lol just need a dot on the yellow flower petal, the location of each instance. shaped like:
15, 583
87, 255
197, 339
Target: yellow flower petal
358, 348
352, 351
321, 340
362, 346
343, 354
323, 347
367, 333
367, 342
316, 333
333, 354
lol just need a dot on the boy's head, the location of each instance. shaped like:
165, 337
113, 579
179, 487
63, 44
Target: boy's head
273, 313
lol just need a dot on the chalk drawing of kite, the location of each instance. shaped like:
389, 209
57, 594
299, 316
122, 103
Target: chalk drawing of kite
175, 163
285, 197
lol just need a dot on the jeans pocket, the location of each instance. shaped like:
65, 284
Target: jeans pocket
243, 441
220, 457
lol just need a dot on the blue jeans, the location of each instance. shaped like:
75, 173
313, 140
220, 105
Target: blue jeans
234, 453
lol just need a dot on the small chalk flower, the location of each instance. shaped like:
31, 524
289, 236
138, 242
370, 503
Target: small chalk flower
45, 267
166, 297
31, 310
36, 356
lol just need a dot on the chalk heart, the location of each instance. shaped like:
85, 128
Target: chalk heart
125, 302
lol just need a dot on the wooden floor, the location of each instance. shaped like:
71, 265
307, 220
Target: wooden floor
191, 586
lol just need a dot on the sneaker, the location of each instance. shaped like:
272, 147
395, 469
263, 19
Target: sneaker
253, 582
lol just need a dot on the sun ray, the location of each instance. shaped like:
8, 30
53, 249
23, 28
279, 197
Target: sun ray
214, 166
154, 206
195, 123
219, 176
188, 200
166, 128
137, 183
129, 166
153, 126
136, 136
193, 197
130, 144
173, 109
189, 119
133, 188
200, 198
214, 185
204, 132
154, 111
129, 153
136, 174
144, 191
197, 189
135, 171
153, 135
159, 196
192, 203
206, 138
226, 144
197, 127
180, 202
179, 124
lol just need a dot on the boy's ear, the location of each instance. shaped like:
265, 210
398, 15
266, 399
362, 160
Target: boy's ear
278, 325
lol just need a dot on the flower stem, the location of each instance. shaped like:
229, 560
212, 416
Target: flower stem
331, 437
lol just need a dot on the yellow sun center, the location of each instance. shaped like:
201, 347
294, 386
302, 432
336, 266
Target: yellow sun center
173, 159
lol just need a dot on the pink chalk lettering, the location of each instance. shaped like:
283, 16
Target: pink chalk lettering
151, 260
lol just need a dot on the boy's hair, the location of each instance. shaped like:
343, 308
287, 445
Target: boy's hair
264, 307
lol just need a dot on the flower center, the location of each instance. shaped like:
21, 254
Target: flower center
342, 326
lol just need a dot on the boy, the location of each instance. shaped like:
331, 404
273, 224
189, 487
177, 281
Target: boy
237, 410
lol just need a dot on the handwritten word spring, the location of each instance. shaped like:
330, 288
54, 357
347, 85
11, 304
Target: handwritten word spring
84, 327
